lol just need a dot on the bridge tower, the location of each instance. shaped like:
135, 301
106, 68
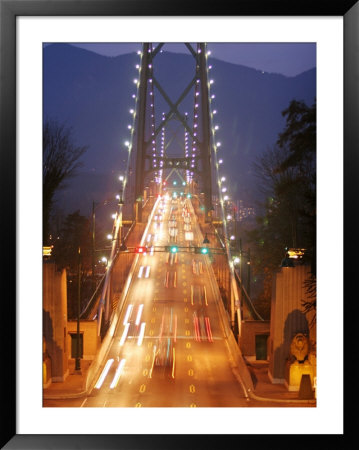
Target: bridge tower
150, 122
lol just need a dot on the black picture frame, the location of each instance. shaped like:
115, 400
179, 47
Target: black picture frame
9, 10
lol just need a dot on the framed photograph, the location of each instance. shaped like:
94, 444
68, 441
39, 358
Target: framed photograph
26, 29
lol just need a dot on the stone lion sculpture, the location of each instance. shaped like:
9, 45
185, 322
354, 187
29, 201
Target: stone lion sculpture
299, 347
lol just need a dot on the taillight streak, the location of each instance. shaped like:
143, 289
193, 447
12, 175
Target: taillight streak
162, 323
208, 329
174, 362
196, 328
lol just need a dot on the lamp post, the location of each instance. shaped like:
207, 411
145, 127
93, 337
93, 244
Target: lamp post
77, 360
94, 207
248, 255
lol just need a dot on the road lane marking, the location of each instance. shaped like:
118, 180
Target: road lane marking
189, 358
185, 299
187, 333
145, 372
190, 372
147, 357
186, 309
188, 345
142, 388
149, 345
193, 405
192, 388
186, 320
138, 405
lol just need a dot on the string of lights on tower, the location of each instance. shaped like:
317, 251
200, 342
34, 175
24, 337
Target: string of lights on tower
218, 160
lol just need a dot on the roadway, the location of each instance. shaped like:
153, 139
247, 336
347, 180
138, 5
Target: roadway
169, 347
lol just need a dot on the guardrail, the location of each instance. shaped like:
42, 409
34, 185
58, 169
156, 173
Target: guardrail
94, 298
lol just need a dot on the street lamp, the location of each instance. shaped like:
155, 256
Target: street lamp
248, 255
77, 360
94, 208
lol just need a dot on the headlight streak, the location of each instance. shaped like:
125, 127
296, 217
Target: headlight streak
175, 328
128, 314
205, 295
142, 333
140, 272
153, 361
104, 374
124, 334
139, 312
147, 272
119, 370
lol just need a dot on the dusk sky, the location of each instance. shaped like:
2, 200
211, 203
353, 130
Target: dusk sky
289, 59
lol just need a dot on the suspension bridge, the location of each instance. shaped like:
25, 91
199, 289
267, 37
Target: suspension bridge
169, 307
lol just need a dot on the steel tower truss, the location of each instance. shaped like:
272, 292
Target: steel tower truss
201, 162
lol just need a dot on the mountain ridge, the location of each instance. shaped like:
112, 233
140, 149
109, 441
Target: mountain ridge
92, 93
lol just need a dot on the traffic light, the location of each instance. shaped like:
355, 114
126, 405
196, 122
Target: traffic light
141, 250
201, 250
171, 248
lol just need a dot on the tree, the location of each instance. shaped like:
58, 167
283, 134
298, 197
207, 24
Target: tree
75, 233
287, 178
60, 162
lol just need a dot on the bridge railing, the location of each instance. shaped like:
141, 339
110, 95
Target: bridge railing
119, 269
93, 302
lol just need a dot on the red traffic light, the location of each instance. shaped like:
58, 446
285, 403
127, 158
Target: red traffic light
141, 249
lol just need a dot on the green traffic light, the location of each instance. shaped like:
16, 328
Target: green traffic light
174, 249
204, 251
